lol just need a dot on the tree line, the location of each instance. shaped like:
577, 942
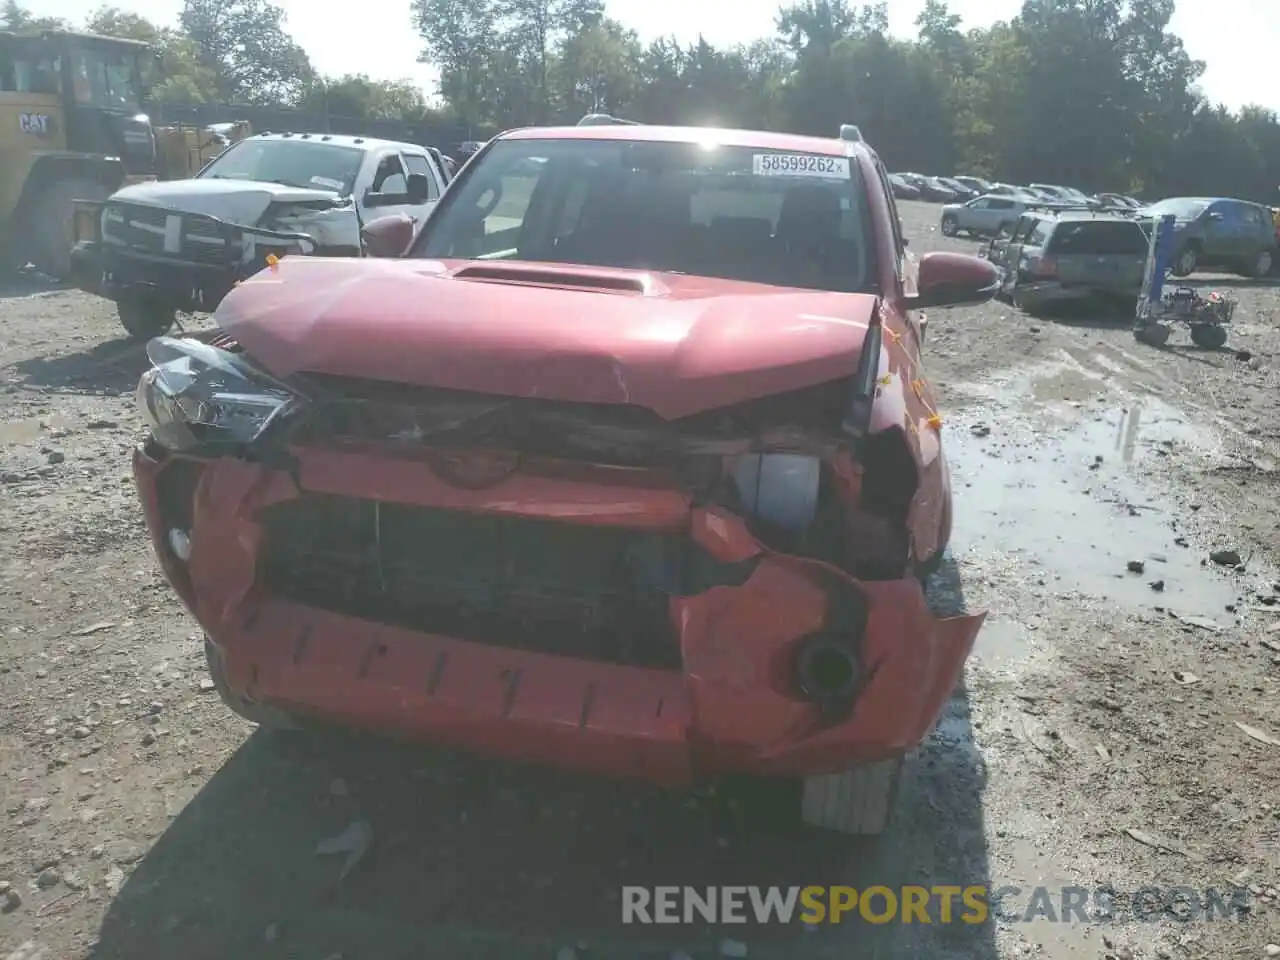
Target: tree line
1099, 94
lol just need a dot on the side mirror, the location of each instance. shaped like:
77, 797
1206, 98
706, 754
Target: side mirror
954, 279
388, 236
418, 188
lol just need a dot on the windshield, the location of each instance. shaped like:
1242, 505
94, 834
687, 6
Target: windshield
793, 220
298, 163
1181, 207
105, 78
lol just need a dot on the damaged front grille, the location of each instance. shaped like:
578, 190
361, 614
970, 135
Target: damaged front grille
597, 593
412, 418
158, 231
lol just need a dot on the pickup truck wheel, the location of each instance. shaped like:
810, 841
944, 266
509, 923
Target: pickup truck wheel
264, 716
1185, 263
51, 217
950, 226
143, 319
858, 801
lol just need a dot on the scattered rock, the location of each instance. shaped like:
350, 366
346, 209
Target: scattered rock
93, 628
1272, 950
80, 732
1225, 558
47, 878
353, 841
1136, 566
1253, 733
980, 430
10, 900
1157, 586
114, 880
148, 738
207, 686
1185, 677
73, 881
56, 456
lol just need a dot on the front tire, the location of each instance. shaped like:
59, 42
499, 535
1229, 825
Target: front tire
143, 319
855, 802
268, 718
52, 215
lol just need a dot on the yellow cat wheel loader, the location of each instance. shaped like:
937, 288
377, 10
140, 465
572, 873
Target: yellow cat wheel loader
71, 128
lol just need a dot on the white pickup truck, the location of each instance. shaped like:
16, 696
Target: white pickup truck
160, 247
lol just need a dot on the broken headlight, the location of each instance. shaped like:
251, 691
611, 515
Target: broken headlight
196, 394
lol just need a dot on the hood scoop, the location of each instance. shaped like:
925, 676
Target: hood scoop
601, 281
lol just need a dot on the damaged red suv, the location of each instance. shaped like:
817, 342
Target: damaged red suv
625, 463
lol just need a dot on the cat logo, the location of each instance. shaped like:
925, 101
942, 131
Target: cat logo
36, 124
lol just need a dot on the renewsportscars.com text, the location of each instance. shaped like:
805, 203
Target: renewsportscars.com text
938, 904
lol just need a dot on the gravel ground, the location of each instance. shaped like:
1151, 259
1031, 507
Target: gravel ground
1116, 727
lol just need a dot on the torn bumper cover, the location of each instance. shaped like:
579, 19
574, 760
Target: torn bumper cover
753, 682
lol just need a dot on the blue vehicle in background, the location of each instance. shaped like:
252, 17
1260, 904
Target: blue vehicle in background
1236, 236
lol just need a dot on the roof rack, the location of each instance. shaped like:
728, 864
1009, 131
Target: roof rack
604, 120
850, 133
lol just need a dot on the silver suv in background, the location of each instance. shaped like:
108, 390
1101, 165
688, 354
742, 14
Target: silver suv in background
982, 216
1052, 258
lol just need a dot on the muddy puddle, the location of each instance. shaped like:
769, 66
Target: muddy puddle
1060, 499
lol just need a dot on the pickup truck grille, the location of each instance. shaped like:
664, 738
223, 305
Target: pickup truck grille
157, 232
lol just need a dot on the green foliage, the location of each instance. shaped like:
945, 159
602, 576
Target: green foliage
1099, 94
1095, 93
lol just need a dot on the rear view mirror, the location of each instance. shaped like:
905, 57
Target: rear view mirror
388, 236
953, 279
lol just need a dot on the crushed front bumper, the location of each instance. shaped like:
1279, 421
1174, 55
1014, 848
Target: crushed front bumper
115, 274
183, 261
729, 707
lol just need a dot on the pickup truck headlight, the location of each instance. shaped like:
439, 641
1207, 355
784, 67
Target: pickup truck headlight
196, 394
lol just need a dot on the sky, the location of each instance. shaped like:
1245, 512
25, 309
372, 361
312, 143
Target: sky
1235, 38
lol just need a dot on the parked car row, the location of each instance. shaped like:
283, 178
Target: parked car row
1216, 233
962, 188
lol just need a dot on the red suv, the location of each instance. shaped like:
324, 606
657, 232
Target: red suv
628, 465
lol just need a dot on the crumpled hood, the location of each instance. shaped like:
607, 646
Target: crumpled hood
236, 201
685, 345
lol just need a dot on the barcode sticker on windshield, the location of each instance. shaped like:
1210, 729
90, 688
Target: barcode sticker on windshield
800, 165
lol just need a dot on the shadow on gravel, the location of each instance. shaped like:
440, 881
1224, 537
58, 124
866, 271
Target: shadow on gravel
473, 860
1099, 314
114, 365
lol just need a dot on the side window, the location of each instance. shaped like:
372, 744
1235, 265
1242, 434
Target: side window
1040, 235
37, 73
982, 203
1001, 204
389, 177
416, 163
1023, 230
